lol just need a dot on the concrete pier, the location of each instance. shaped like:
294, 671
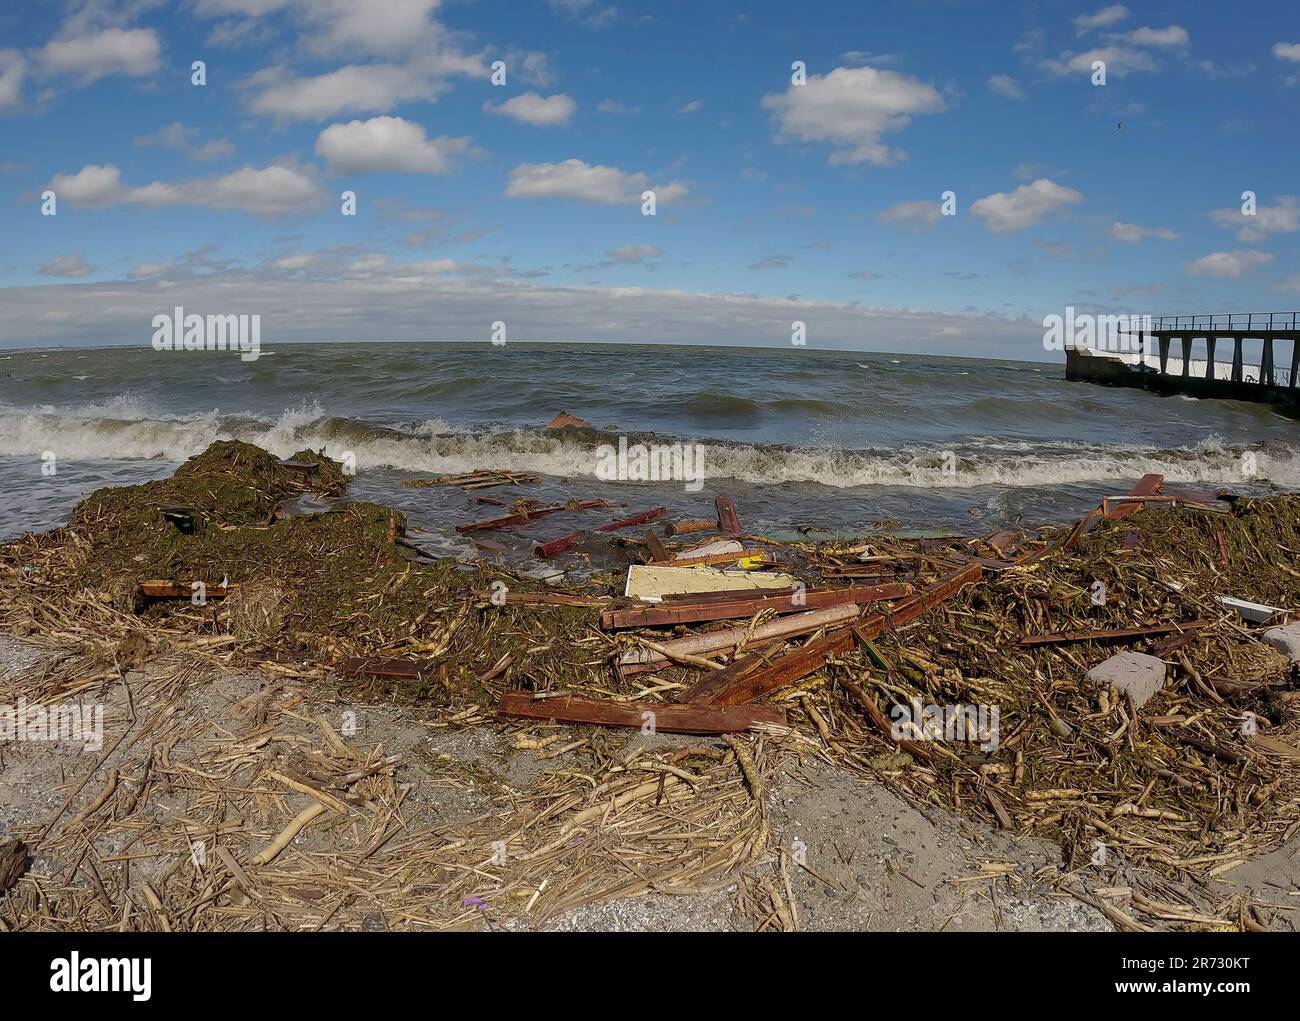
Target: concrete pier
1270, 384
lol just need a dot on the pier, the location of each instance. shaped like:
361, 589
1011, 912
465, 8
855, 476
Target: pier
1194, 369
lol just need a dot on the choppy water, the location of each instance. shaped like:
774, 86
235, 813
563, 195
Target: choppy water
800, 437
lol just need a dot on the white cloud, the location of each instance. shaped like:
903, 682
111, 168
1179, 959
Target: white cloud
1283, 218
374, 27
133, 51
1287, 51
531, 108
916, 216
1101, 19
65, 266
355, 88
269, 191
184, 139
1120, 61
852, 108
388, 144
1172, 36
12, 69
1227, 264
591, 13
694, 106
574, 179
1134, 234
1005, 85
1026, 206
614, 107
292, 263
149, 269
633, 253
1291, 283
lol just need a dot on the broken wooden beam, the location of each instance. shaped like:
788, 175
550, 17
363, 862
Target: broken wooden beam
1148, 485
687, 527
549, 549
710, 559
162, 588
728, 522
792, 601
523, 517
750, 679
1113, 634
669, 718
640, 660
381, 666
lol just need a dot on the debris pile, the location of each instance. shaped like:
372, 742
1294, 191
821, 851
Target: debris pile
1098, 684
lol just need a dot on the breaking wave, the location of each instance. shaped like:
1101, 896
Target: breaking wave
126, 429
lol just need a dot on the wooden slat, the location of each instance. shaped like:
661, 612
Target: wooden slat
1148, 485
727, 520
712, 558
549, 549
1114, 634
520, 519
380, 666
746, 683
160, 588
813, 599
673, 719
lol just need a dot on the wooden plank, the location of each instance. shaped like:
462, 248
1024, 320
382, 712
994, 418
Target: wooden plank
717, 641
669, 718
1113, 634
686, 527
381, 666
1148, 485
549, 549
813, 599
548, 599
745, 683
159, 588
727, 520
522, 518
712, 558
658, 551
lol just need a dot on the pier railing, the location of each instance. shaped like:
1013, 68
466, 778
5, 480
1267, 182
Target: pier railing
1222, 322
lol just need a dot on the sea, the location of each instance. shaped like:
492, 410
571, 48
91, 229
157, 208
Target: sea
805, 441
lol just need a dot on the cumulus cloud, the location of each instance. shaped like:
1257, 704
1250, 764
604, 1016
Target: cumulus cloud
633, 253
355, 88
388, 144
129, 51
852, 108
1134, 234
1120, 61
1227, 264
13, 67
185, 139
65, 266
268, 191
1024, 207
1283, 218
918, 216
574, 179
1287, 51
1172, 36
531, 108
1103, 18
1006, 86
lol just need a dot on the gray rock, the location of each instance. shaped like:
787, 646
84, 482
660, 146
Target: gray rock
1133, 673
1286, 639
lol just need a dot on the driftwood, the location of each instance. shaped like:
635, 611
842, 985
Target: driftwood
673, 719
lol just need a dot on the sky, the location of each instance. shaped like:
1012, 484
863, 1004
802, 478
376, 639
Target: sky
499, 153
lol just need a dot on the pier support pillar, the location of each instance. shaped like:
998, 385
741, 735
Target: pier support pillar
1209, 355
1164, 355
1295, 361
1266, 363
1236, 359
1187, 356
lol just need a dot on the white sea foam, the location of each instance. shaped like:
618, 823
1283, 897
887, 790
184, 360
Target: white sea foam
123, 429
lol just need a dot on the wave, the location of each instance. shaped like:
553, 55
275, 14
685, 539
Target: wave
124, 430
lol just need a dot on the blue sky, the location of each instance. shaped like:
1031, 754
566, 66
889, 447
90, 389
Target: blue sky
521, 202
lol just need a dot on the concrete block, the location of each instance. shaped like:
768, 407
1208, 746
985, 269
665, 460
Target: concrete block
1286, 639
1132, 673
